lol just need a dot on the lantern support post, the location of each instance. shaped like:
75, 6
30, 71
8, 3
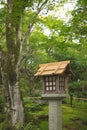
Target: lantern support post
55, 114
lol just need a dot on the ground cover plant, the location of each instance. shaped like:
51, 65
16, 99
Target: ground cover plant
36, 115
74, 118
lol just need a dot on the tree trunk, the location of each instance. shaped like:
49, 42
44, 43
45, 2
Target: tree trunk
71, 100
14, 104
10, 60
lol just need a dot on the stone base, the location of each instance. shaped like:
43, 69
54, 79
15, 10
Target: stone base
53, 96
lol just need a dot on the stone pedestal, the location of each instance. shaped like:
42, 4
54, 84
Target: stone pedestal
55, 114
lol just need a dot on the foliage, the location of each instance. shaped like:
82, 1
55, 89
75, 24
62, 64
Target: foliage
78, 26
79, 20
30, 126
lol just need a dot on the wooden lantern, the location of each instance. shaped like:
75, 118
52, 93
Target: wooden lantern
55, 78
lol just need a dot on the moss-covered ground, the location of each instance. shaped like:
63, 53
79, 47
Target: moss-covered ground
36, 116
73, 118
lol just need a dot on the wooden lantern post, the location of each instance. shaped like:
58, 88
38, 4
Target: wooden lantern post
55, 78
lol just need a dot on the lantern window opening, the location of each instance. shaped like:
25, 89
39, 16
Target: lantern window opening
47, 88
61, 83
50, 83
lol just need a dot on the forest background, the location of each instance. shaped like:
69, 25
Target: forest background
24, 44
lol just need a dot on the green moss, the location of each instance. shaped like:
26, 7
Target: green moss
44, 125
74, 118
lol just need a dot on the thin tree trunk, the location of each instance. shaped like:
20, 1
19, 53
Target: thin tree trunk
71, 100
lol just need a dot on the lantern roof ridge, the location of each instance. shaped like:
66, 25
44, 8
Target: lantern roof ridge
54, 68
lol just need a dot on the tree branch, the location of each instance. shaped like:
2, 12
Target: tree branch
28, 31
27, 35
21, 59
